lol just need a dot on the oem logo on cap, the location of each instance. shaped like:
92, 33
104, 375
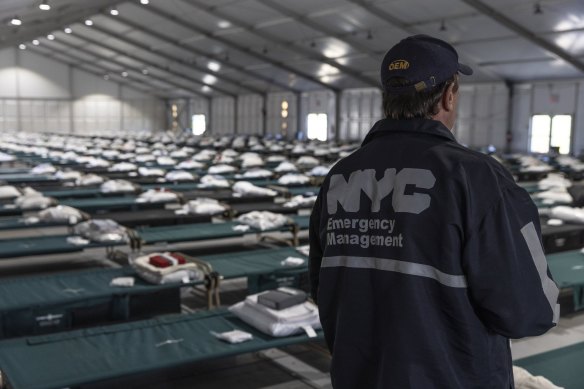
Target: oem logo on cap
399, 64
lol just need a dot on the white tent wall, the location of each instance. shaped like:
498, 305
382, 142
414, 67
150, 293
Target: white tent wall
360, 109
223, 115
553, 98
482, 115
39, 94
276, 124
482, 120
249, 114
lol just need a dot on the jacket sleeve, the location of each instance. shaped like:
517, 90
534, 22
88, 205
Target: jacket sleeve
508, 279
315, 254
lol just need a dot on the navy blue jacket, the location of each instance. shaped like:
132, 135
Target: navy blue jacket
425, 258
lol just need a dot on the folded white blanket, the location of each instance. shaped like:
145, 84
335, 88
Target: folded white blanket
567, 214
286, 166
524, 380
190, 164
558, 195
222, 168
307, 161
123, 167
300, 201
293, 179
89, 179
151, 172
156, 196
263, 220
179, 175
210, 181
248, 189
43, 168
67, 175
319, 171
202, 206
117, 186
61, 213
255, 173
8, 192
554, 181
285, 322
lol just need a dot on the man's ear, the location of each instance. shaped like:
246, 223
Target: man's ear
448, 98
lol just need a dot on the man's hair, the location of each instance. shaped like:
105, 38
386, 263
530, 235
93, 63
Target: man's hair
424, 104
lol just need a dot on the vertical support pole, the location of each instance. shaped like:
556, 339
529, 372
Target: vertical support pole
235, 115
210, 111
509, 134
18, 95
120, 99
264, 114
337, 116
299, 116
71, 101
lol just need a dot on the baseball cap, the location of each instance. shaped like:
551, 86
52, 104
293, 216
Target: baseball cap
422, 60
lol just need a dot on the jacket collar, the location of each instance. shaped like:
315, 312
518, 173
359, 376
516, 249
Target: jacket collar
421, 126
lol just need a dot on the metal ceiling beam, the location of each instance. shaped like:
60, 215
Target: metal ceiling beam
51, 23
151, 64
307, 21
198, 52
119, 80
246, 50
525, 33
522, 60
409, 28
117, 63
288, 45
172, 58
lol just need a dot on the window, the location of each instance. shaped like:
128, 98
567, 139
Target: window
317, 126
548, 131
198, 124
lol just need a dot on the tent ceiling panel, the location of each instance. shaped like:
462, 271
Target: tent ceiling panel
110, 24
555, 15
248, 10
355, 33
412, 11
469, 28
572, 42
531, 71
301, 6
515, 49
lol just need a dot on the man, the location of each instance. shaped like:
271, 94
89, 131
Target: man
425, 256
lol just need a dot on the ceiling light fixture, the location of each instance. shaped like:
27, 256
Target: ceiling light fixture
68, 30
223, 24
124, 74
16, 21
35, 42
44, 5
51, 37
145, 71
442, 25
22, 46
537, 9
89, 22
144, 2
114, 12
213, 66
